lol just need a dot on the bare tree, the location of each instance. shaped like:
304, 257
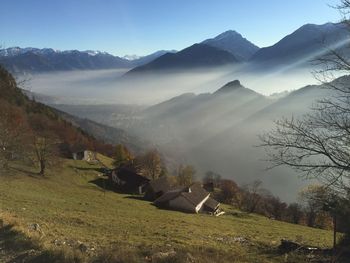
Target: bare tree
44, 142
45, 151
294, 213
252, 195
229, 192
318, 144
150, 164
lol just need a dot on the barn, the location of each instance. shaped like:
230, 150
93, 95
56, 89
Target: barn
156, 188
192, 199
128, 180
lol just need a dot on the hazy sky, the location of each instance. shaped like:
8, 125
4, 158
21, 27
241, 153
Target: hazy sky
141, 27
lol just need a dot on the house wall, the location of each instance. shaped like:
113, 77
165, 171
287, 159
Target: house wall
115, 179
199, 206
89, 156
181, 203
78, 155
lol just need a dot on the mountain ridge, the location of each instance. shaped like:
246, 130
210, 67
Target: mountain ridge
305, 43
234, 43
195, 56
35, 60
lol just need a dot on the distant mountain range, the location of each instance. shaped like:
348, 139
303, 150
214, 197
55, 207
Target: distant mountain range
294, 51
34, 60
229, 48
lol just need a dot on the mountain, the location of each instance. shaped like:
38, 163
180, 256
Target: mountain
234, 43
229, 87
204, 105
303, 45
192, 118
195, 56
219, 131
33, 60
146, 59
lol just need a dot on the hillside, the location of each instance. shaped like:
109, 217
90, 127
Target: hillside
106, 133
69, 215
70, 129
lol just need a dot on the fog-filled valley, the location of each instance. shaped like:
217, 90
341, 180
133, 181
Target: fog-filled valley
108, 87
205, 105
216, 130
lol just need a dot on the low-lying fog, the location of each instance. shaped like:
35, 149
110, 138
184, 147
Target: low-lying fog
211, 133
107, 86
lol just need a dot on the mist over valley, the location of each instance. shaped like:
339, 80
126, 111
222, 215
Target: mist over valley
205, 105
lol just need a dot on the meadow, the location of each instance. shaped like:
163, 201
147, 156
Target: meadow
71, 215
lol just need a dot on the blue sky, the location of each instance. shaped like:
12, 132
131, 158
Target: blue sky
143, 26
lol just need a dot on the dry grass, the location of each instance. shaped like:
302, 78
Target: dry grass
72, 207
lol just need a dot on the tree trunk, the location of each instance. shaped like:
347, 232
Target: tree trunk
334, 232
42, 167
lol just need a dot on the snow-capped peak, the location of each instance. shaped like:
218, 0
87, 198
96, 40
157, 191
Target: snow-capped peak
95, 52
15, 51
131, 57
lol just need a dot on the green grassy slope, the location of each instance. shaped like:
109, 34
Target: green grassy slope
71, 208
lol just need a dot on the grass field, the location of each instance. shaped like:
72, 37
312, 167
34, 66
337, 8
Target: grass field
77, 220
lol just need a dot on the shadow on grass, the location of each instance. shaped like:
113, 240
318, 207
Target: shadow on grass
302, 254
13, 241
242, 215
16, 247
97, 169
137, 197
24, 171
103, 183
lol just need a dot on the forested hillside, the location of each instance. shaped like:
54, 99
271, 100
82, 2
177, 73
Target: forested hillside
27, 125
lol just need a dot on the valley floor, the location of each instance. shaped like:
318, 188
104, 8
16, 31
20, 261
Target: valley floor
70, 216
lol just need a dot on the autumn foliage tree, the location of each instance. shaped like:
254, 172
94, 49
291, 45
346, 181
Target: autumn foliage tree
14, 132
34, 131
185, 175
150, 164
121, 155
